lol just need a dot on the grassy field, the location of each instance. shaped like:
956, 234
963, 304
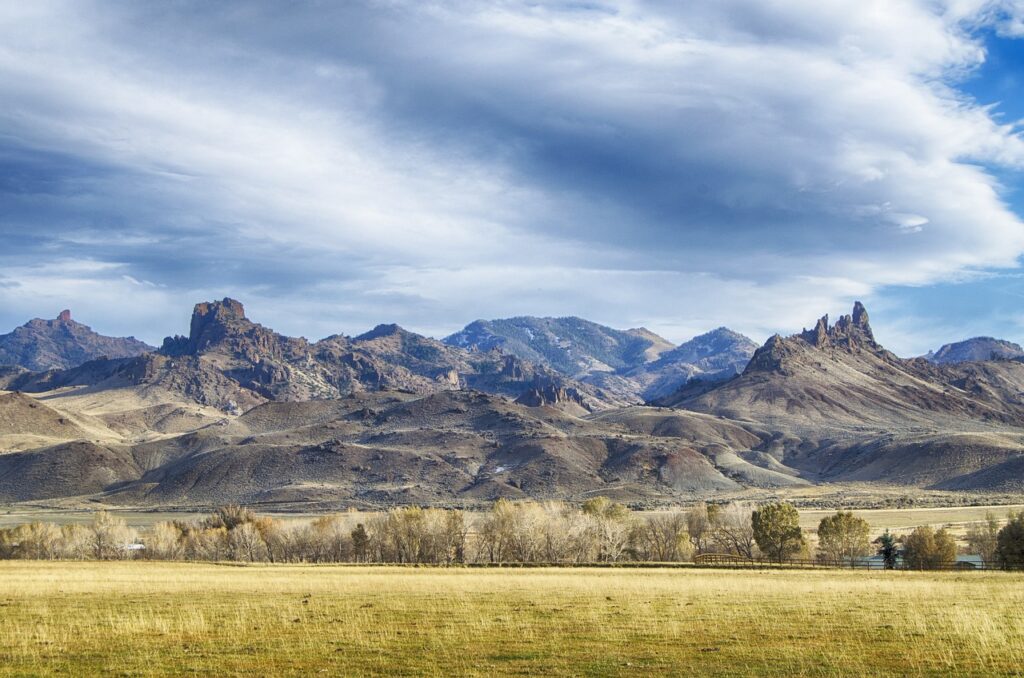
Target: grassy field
140, 618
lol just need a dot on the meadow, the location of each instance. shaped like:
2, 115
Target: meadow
143, 618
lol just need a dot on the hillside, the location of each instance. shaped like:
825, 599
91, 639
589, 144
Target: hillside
62, 343
385, 447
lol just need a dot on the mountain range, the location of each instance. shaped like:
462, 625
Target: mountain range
634, 365
525, 407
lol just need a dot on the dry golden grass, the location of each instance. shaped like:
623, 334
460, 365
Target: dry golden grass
146, 618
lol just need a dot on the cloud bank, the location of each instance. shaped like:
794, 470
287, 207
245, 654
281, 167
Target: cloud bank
335, 165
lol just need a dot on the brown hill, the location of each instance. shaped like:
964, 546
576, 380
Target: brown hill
379, 448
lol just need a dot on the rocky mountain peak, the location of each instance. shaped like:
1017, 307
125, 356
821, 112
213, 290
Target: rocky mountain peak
65, 316
849, 331
208, 312
212, 322
860, 316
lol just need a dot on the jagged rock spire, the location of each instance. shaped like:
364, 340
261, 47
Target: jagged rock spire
819, 335
849, 330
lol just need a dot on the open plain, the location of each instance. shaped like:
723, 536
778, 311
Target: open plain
143, 618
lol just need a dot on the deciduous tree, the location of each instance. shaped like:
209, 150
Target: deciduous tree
928, 549
777, 531
1010, 543
843, 538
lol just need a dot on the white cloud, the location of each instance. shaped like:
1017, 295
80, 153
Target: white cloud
677, 165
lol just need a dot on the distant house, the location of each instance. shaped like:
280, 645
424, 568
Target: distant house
968, 561
877, 562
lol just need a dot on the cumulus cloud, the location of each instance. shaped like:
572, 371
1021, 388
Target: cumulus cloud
677, 165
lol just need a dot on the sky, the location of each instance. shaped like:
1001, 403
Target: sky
662, 163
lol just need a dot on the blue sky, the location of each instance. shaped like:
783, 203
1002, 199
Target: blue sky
674, 165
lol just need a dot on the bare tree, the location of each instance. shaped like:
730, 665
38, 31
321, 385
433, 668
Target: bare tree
663, 537
245, 543
699, 528
111, 537
206, 543
164, 542
612, 525
34, 541
75, 542
732, 531
983, 538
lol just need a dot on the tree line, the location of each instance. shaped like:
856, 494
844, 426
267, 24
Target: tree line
598, 531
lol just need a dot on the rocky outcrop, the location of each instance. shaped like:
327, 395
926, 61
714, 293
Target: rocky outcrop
229, 361
550, 395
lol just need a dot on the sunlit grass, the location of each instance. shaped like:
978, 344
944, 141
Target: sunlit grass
141, 618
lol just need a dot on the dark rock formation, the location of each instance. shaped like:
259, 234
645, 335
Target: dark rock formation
550, 395
849, 331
